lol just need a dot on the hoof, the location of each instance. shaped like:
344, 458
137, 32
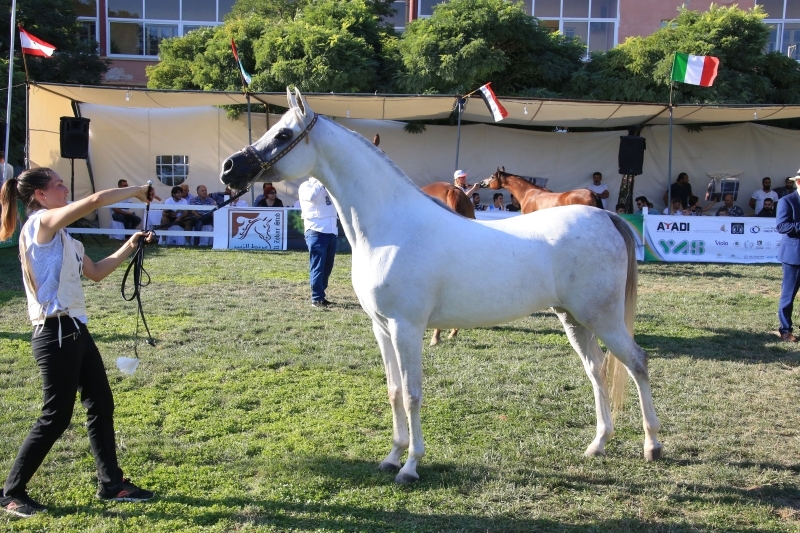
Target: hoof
388, 467
434, 341
594, 451
405, 479
653, 454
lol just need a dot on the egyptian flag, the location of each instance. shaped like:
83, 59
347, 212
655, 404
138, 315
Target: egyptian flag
695, 70
246, 79
498, 111
34, 46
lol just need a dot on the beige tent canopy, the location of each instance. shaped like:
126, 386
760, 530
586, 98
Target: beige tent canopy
131, 128
521, 111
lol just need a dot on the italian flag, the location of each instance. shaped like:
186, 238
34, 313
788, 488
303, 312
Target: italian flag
695, 70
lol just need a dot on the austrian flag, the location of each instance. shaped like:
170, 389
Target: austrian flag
498, 111
695, 70
34, 46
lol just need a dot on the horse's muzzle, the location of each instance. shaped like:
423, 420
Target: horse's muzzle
238, 171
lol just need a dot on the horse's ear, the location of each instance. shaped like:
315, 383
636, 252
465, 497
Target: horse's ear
302, 103
290, 98
502, 169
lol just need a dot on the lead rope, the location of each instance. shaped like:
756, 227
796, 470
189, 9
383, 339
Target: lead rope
136, 265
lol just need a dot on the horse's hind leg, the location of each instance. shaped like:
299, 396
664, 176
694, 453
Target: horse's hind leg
631, 355
394, 383
453, 333
584, 342
436, 337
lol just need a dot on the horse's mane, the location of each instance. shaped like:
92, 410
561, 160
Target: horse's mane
397, 170
509, 174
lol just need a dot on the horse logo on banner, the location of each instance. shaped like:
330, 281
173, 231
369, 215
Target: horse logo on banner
256, 230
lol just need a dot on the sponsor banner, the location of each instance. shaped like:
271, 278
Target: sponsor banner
635, 222
711, 239
240, 228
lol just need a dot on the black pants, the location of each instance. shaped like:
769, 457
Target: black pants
129, 220
75, 366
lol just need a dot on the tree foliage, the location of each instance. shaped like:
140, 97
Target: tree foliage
466, 43
639, 69
55, 22
327, 46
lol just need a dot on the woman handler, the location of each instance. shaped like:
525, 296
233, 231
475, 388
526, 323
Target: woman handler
68, 360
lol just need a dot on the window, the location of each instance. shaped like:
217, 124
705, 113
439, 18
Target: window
783, 19
400, 18
87, 18
426, 7
88, 31
595, 22
172, 170
137, 27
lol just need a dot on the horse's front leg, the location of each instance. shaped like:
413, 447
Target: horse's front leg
407, 342
394, 384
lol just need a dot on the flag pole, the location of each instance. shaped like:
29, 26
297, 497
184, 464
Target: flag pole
460, 102
10, 81
669, 160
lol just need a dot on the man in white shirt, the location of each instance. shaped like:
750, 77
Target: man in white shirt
600, 188
757, 200
319, 222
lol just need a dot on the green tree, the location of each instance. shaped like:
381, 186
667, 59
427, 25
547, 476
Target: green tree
466, 43
328, 46
55, 22
639, 69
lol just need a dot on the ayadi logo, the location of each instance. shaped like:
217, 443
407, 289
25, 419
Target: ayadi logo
678, 227
682, 247
755, 229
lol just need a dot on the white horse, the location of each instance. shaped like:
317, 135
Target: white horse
579, 260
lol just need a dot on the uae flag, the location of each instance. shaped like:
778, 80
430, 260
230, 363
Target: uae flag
498, 111
695, 70
34, 46
245, 76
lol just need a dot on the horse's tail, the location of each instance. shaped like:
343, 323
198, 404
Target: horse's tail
460, 203
616, 374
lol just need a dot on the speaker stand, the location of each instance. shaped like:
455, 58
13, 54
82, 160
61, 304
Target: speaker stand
72, 179
626, 192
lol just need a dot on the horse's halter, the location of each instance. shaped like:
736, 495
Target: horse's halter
253, 158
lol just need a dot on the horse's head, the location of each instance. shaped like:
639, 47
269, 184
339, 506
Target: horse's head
279, 154
495, 180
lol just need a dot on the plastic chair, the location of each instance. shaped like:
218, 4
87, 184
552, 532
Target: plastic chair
206, 241
117, 225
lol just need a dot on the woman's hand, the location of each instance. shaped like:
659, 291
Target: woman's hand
149, 236
144, 193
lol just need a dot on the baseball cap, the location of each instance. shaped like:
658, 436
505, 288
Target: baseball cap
797, 177
459, 173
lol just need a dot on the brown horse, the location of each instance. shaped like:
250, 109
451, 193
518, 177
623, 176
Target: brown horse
455, 199
532, 197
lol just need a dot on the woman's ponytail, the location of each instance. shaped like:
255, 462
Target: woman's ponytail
8, 203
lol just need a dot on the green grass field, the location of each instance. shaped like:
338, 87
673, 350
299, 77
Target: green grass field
257, 412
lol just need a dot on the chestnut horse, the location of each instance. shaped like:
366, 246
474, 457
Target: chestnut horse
455, 199
533, 198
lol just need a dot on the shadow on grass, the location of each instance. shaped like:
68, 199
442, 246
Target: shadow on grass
724, 344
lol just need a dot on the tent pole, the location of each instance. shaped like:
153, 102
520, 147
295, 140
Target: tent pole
460, 101
249, 142
669, 164
10, 81
27, 125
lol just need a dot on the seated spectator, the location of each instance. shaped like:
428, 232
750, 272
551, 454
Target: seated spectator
239, 202
514, 205
170, 217
270, 198
185, 192
731, 210
476, 202
205, 218
768, 211
757, 200
264, 188
128, 218
641, 203
620, 208
687, 212
497, 202
676, 209
786, 189
723, 212
222, 197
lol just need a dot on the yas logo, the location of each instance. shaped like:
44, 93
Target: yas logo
673, 226
682, 247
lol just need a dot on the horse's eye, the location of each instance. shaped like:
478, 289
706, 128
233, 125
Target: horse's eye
284, 135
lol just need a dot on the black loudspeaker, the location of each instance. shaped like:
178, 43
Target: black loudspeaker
74, 138
631, 154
